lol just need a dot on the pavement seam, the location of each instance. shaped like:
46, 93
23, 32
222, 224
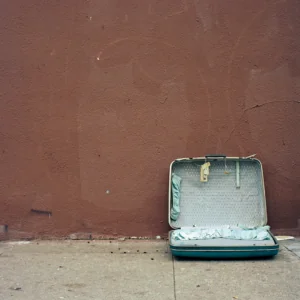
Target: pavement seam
291, 251
174, 279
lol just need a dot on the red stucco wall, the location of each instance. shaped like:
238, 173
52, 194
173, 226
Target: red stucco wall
98, 97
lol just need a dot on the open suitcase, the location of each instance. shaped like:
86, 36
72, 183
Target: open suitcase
217, 208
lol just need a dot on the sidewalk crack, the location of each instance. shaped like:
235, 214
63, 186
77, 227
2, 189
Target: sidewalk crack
174, 280
291, 251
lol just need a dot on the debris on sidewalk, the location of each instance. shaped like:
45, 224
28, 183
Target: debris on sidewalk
73, 236
15, 288
284, 237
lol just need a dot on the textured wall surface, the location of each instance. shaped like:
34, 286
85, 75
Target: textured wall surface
98, 97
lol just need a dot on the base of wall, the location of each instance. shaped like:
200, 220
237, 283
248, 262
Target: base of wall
289, 231
18, 235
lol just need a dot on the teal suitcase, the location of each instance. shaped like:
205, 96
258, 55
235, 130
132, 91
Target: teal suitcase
217, 208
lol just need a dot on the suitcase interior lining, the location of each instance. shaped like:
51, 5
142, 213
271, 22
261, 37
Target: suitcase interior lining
221, 201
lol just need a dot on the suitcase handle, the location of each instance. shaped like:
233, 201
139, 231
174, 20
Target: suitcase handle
215, 155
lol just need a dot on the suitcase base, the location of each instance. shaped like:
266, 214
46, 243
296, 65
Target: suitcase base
219, 253
224, 248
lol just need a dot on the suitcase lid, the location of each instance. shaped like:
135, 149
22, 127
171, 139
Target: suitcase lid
233, 199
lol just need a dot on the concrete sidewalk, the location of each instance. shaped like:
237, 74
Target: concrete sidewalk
140, 270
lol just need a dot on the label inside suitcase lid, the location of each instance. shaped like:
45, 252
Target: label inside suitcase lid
234, 194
